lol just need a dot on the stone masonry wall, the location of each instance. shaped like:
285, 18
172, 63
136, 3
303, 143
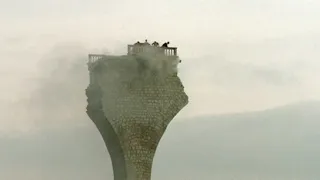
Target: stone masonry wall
138, 97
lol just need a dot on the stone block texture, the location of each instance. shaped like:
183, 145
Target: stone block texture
131, 100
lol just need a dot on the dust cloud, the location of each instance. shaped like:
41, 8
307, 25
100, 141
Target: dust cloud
55, 96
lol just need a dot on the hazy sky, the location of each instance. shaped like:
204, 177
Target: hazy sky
237, 55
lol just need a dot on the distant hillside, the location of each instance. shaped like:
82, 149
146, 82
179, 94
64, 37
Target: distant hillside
280, 143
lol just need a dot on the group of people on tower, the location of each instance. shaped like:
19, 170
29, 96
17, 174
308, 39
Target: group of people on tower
155, 43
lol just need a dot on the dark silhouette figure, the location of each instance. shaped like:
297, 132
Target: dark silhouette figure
137, 43
146, 42
155, 43
165, 44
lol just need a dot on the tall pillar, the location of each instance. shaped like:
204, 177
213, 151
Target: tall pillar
132, 100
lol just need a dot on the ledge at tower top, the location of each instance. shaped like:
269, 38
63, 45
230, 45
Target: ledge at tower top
131, 100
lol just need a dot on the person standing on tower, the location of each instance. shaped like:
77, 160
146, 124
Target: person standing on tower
146, 42
155, 43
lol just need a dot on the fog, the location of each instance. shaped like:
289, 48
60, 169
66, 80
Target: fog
236, 57
279, 143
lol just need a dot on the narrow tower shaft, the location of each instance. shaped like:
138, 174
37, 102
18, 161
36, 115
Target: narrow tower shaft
131, 100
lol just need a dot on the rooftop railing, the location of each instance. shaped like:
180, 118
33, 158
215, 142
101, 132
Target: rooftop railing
95, 57
137, 49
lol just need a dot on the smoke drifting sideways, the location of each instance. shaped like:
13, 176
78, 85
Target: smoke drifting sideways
58, 100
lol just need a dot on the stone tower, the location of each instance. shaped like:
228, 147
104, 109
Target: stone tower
131, 100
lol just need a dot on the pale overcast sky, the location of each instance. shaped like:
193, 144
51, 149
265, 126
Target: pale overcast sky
237, 55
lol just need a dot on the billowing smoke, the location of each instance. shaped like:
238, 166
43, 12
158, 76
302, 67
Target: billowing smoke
58, 98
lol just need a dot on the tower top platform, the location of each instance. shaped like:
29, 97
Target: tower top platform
141, 49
